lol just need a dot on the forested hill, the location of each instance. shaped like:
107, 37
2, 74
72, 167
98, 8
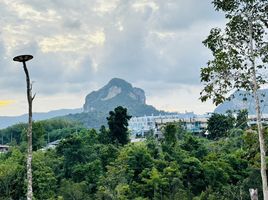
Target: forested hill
244, 100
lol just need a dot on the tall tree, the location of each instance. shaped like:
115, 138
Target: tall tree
170, 134
219, 125
118, 123
103, 135
240, 57
242, 119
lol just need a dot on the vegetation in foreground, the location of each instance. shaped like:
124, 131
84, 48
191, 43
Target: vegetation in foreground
90, 164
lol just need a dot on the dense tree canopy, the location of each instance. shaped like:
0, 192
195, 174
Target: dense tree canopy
219, 125
242, 119
86, 166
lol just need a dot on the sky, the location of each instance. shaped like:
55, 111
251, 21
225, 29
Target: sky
79, 45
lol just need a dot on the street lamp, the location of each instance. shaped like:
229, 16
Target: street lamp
23, 58
30, 98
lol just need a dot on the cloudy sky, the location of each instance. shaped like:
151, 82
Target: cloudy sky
79, 45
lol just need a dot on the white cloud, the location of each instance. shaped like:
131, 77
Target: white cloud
182, 98
26, 12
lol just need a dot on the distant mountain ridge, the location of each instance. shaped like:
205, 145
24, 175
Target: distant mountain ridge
244, 100
117, 92
6, 121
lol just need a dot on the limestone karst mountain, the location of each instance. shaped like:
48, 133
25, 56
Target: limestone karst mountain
118, 92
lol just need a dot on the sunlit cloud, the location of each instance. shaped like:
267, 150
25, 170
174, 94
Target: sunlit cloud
143, 4
72, 43
6, 102
105, 6
24, 11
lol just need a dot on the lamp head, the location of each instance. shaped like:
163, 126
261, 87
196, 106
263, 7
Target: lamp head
23, 58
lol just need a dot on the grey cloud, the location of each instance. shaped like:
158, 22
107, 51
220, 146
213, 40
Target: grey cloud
136, 50
72, 23
177, 14
56, 4
135, 53
53, 76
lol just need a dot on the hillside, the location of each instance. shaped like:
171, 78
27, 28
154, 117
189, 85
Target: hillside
6, 121
117, 92
244, 100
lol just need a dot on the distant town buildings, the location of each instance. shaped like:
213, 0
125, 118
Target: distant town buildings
4, 148
51, 145
252, 119
190, 121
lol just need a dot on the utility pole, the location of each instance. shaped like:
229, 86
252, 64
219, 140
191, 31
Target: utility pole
30, 98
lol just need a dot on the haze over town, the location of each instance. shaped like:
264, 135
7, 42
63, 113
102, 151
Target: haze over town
80, 45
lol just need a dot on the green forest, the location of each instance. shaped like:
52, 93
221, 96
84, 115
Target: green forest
222, 163
104, 164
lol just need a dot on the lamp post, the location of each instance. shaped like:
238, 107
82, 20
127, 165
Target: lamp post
30, 98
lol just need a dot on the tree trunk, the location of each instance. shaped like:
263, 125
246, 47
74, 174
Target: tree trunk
29, 135
258, 113
253, 194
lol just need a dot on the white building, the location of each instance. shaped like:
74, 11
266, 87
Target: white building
4, 148
252, 119
140, 125
190, 121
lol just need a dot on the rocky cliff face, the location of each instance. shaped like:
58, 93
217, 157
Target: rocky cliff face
118, 92
139, 95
